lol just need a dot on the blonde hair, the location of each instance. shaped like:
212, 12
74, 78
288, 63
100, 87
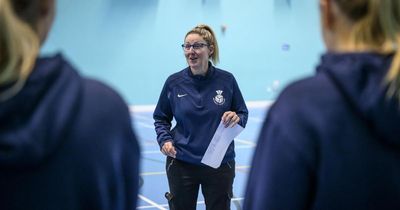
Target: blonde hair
19, 47
377, 24
208, 35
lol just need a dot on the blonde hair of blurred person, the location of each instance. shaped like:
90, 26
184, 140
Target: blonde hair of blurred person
20, 39
347, 29
54, 135
331, 140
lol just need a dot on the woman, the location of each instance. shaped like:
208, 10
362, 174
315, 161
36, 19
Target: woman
199, 97
66, 142
332, 141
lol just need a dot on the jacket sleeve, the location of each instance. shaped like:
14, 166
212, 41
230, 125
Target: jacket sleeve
281, 175
131, 166
163, 116
108, 152
238, 104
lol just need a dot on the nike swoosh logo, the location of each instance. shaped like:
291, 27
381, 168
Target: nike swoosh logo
179, 95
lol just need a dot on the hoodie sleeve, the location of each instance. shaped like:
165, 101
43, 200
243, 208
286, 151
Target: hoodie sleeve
279, 178
282, 173
238, 104
129, 163
107, 151
163, 116
132, 173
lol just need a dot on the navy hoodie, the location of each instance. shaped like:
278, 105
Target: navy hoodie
66, 143
197, 103
331, 141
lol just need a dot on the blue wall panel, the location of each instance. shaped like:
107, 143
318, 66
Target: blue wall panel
134, 45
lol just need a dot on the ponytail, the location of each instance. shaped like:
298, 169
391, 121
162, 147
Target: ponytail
19, 47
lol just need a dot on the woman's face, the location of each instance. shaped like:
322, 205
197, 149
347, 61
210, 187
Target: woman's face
197, 53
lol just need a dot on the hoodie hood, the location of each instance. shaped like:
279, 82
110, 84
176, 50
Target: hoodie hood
37, 120
360, 77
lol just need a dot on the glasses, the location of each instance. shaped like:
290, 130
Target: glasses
195, 46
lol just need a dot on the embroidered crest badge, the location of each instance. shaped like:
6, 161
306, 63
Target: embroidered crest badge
219, 98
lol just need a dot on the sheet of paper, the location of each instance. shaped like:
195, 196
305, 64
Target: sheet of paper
219, 144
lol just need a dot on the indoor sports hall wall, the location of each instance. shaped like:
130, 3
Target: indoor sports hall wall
134, 45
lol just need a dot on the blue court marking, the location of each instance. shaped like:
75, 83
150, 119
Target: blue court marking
153, 177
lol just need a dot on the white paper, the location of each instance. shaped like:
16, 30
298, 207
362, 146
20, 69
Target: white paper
219, 144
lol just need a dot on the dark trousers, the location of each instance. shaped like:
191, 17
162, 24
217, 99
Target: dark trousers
184, 180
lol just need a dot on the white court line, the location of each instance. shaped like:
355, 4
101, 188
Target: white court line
152, 152
246, 142
259, 104
242, 167
148, 144
154, 204
244, 147
142, 108
256, 119
152, 173
142, 117
145, 125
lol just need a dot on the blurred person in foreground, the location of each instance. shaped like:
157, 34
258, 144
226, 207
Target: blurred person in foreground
332, 141
66, 142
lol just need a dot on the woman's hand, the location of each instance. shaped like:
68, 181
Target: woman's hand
168, 149
230, 118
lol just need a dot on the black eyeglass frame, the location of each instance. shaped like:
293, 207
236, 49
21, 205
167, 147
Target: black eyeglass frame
195, 46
